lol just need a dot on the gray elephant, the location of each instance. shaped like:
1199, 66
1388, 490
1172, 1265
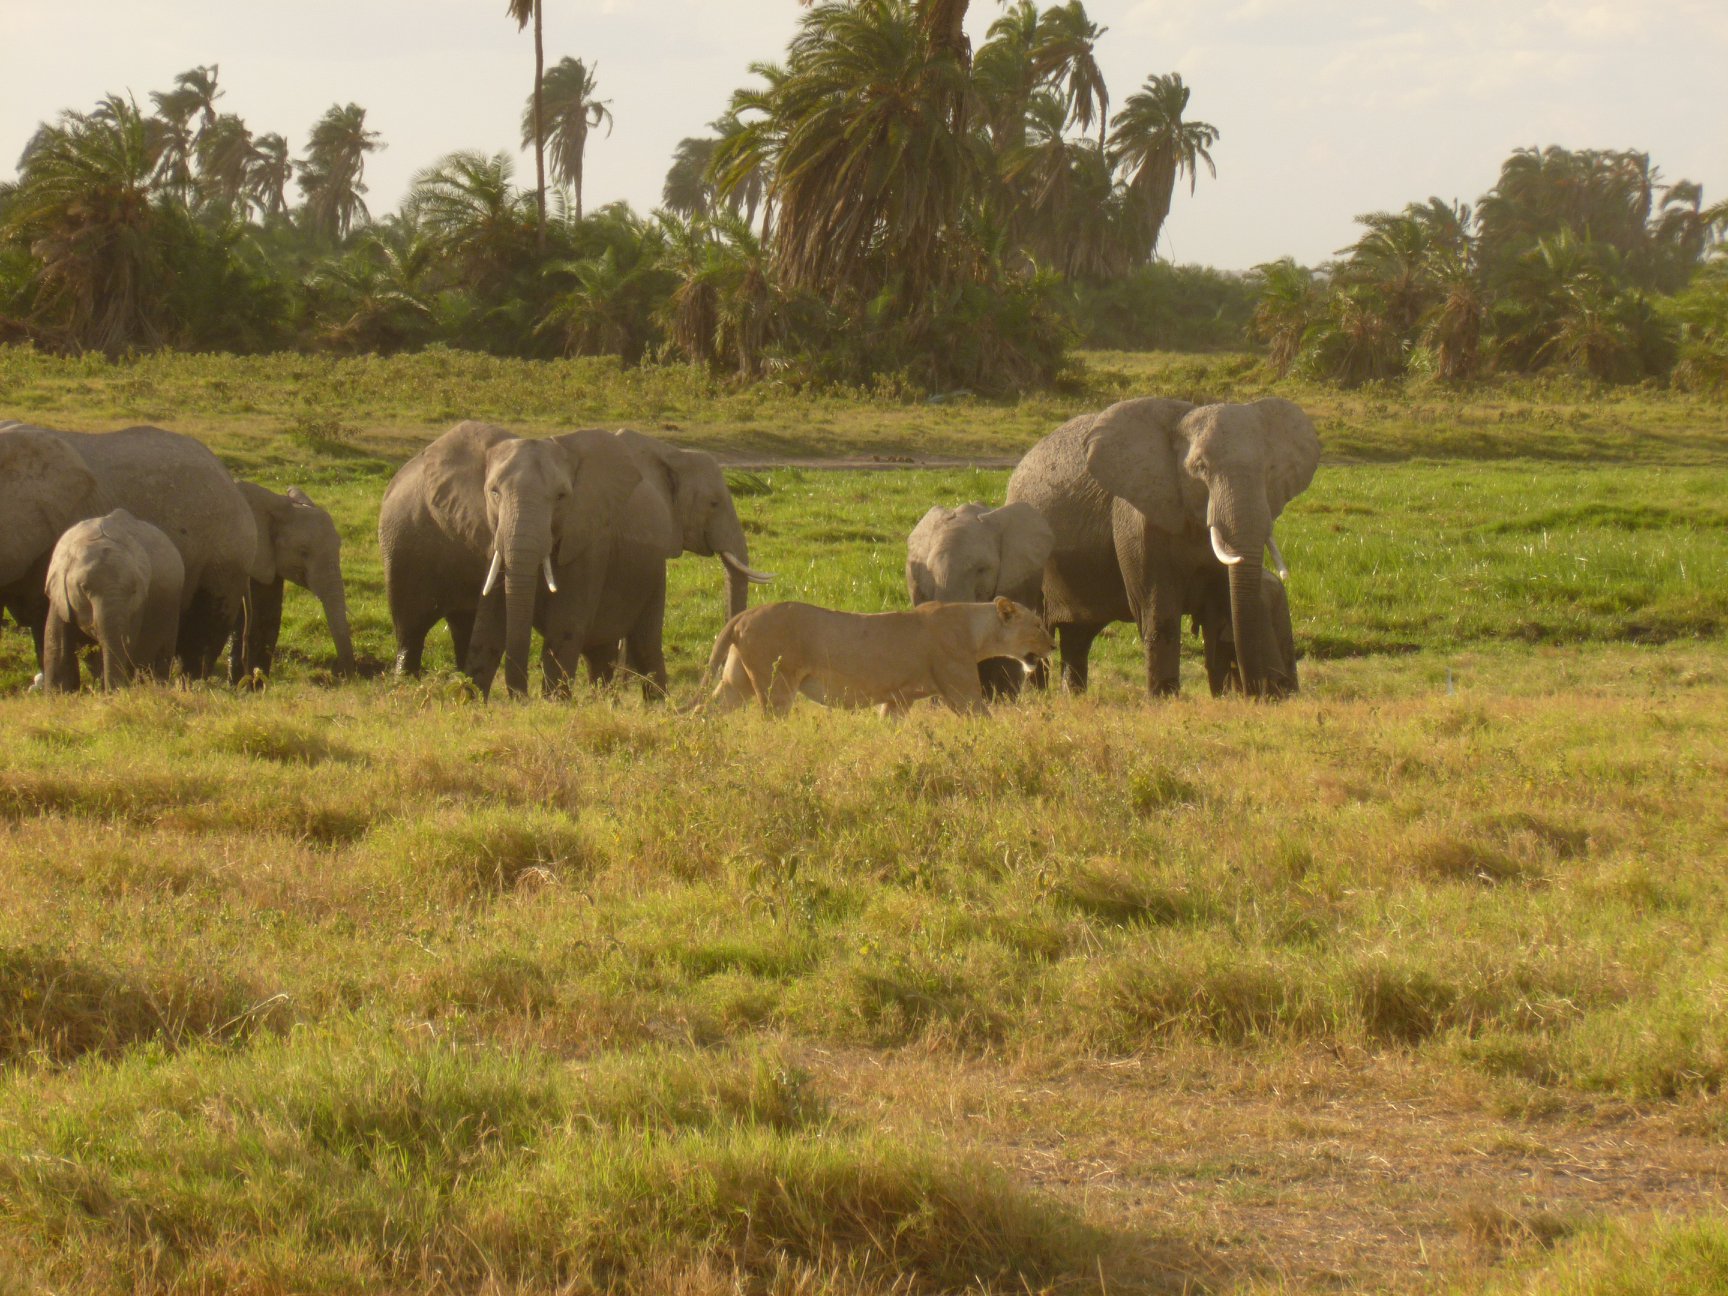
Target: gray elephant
1152, 502
975, 554
297, 543
681, 506
480, 502
117, 581
160, 477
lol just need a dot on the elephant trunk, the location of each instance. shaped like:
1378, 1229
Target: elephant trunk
1255, 654
111, 637
521, 585
336, 617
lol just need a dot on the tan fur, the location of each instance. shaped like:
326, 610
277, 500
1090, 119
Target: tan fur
887, 659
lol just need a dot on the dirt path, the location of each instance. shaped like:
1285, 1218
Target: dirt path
1322, 1176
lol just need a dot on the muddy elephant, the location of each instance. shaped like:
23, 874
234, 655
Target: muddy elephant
480, 503
1152, 502
974, 554
682, 505
50, 479
297, 544
116, 581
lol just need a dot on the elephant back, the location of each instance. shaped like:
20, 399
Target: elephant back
176, 484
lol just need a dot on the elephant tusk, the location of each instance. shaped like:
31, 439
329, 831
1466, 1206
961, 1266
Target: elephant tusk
551, 581
748, 573
1278, 563
1224, 555
492, 572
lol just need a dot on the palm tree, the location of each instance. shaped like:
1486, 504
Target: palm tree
570, 111
1151, 142
521, 11
1289, 303
688, 190
227, 161
194, 95
82, 208
480, 224
371, 299
331, 171
267, 180
752, 136
874, 172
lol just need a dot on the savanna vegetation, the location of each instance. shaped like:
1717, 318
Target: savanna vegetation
1411, 983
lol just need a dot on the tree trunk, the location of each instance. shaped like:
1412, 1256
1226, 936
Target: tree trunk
539, 129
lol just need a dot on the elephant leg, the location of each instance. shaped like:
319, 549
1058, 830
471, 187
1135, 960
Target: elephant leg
486, 643
204, 628
59, 656
1001, 678
1076, 643
1221, 673
263, 626
602, 663
460, 623
1284, 679
644, 647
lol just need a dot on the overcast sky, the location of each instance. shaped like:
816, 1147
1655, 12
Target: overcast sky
1326, 108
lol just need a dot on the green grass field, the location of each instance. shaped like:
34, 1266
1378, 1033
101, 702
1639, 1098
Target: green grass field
1415, 982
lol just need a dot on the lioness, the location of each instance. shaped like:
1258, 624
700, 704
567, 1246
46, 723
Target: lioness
887, 659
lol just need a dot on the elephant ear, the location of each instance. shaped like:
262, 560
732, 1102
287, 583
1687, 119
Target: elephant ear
1292, 450
454, 469
1025, 540
919, 587
1132, 452
605, 477
45, 487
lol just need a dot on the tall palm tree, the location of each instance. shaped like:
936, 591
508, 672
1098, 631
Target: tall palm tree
271, 170
688, 190
194, 96
1154, 146
522, 11
330, 173
567, 109
875, 172
227, 160
752, 136
82, 208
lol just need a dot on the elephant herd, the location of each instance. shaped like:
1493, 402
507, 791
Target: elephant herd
142, 543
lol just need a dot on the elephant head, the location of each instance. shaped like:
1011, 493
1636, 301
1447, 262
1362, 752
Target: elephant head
974, 553
45, 487
692, 512
298, 542
1219, 473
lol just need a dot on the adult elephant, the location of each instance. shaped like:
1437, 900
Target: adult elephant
1150, 500
976, 554
682, 505
298, 544
480, 502
171, 481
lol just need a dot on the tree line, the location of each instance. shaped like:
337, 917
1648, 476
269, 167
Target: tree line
881, 200
944, 230
1579, 261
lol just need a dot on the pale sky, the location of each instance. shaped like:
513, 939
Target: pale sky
1326, 108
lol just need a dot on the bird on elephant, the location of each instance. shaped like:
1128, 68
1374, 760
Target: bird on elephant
114, 581
976, 553
51, 479
298, 544
1162, 509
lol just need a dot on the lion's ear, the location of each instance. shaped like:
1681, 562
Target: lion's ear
1005, 608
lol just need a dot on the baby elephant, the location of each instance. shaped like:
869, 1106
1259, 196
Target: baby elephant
886, 659
975, 553
116, 580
